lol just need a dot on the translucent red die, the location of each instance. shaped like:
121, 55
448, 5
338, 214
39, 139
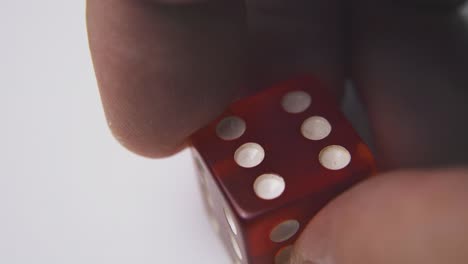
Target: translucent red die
271, 162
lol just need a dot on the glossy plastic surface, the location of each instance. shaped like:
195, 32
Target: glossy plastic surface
309, 185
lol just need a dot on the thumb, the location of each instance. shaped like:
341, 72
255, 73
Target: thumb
405, 217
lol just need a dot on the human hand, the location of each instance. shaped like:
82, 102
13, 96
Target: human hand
166, 68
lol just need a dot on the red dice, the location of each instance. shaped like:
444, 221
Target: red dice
271, 162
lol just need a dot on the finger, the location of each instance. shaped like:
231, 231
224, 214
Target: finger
406, 217
291, 37
432, 5
411, 67
164, 69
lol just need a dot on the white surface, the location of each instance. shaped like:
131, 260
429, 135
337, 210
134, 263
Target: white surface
68, 192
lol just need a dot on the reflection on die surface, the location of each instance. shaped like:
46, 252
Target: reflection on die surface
271, 161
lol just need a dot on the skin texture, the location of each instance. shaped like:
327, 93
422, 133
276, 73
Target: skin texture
166, 68
405, 217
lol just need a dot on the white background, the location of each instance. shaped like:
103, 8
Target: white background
68, 192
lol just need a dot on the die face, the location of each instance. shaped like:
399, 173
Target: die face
222, 218
274, 160
287, 153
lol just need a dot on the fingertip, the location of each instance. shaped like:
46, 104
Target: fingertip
164, 71
414, 216
149, 147
433, 5
161, 131
410, 65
